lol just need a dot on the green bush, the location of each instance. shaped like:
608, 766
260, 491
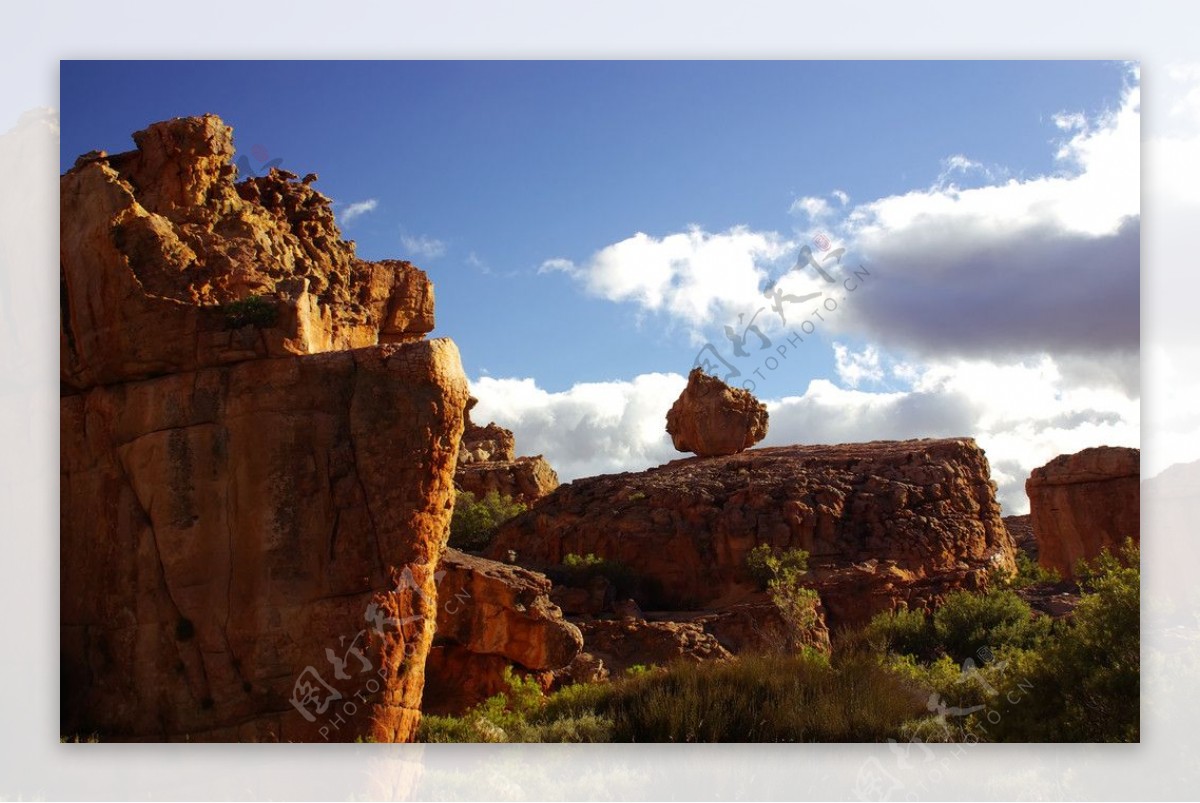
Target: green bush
903, 632
1029, 573
578, 571
257, 311
1084, 685
475, 521
765, 698
766, 563
967, 622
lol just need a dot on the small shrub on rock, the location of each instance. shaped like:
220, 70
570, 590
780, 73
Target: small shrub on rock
475, 521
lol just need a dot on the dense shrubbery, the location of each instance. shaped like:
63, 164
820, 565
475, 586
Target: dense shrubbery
981, 668
1029, 573
961, 626
1025, 679
1085, 684
475, 521
771, 698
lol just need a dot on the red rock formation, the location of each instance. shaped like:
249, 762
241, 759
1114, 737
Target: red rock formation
491, 616
1084, 502
487, 462
907, 519
710, 418
526, 479
248, 537
625, 643
157, 242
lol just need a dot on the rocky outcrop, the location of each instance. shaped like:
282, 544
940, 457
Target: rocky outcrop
491, 616
711, 419
883, 523
620, 644
1020, 528
1082, 503
168, 265
487, 462
249, 529
526, 479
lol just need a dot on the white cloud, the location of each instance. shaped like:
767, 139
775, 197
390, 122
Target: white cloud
856, 367
694, 276
814, 208
592, 428
842, 197
423, 246
358, 208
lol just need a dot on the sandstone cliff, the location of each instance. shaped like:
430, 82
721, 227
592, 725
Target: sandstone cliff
1083, 503
249, 528
883, 522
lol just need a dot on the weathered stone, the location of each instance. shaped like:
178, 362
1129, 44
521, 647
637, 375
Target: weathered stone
228, 532
924, 511
626, 643
525, 479
158, 242
1085, 502
492, 616
710, 418
248, 536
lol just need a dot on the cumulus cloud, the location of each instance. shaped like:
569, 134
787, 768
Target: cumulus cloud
591, 428
694, 276
358, 208
854, 368
1049, 264
423, 246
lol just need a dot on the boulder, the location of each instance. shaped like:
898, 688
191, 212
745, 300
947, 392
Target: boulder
923, 511
525, 479
1085, 502
628, 642
491, 616
711, 419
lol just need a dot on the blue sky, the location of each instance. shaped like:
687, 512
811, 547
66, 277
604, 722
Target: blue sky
522, 188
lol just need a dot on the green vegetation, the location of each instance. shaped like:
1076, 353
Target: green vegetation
781, 572
1030, 573
767, 698
982, 667
475, 521
257, 311
767, 563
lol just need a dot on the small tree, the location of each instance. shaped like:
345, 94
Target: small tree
782, 572
475, 521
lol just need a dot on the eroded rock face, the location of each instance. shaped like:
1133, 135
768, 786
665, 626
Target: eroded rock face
905, 520
1083, 503
251, 515
711, 419
620, 644
221, 529
158, 242
487, 462
491, 616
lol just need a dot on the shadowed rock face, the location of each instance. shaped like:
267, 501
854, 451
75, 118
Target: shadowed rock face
1083, 503
491, 616
249, 529
884, 522
710, 418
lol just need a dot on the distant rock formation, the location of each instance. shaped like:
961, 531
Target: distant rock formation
884, 523
712, 419
1084, 502
249, 528
491, 616
487, 462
